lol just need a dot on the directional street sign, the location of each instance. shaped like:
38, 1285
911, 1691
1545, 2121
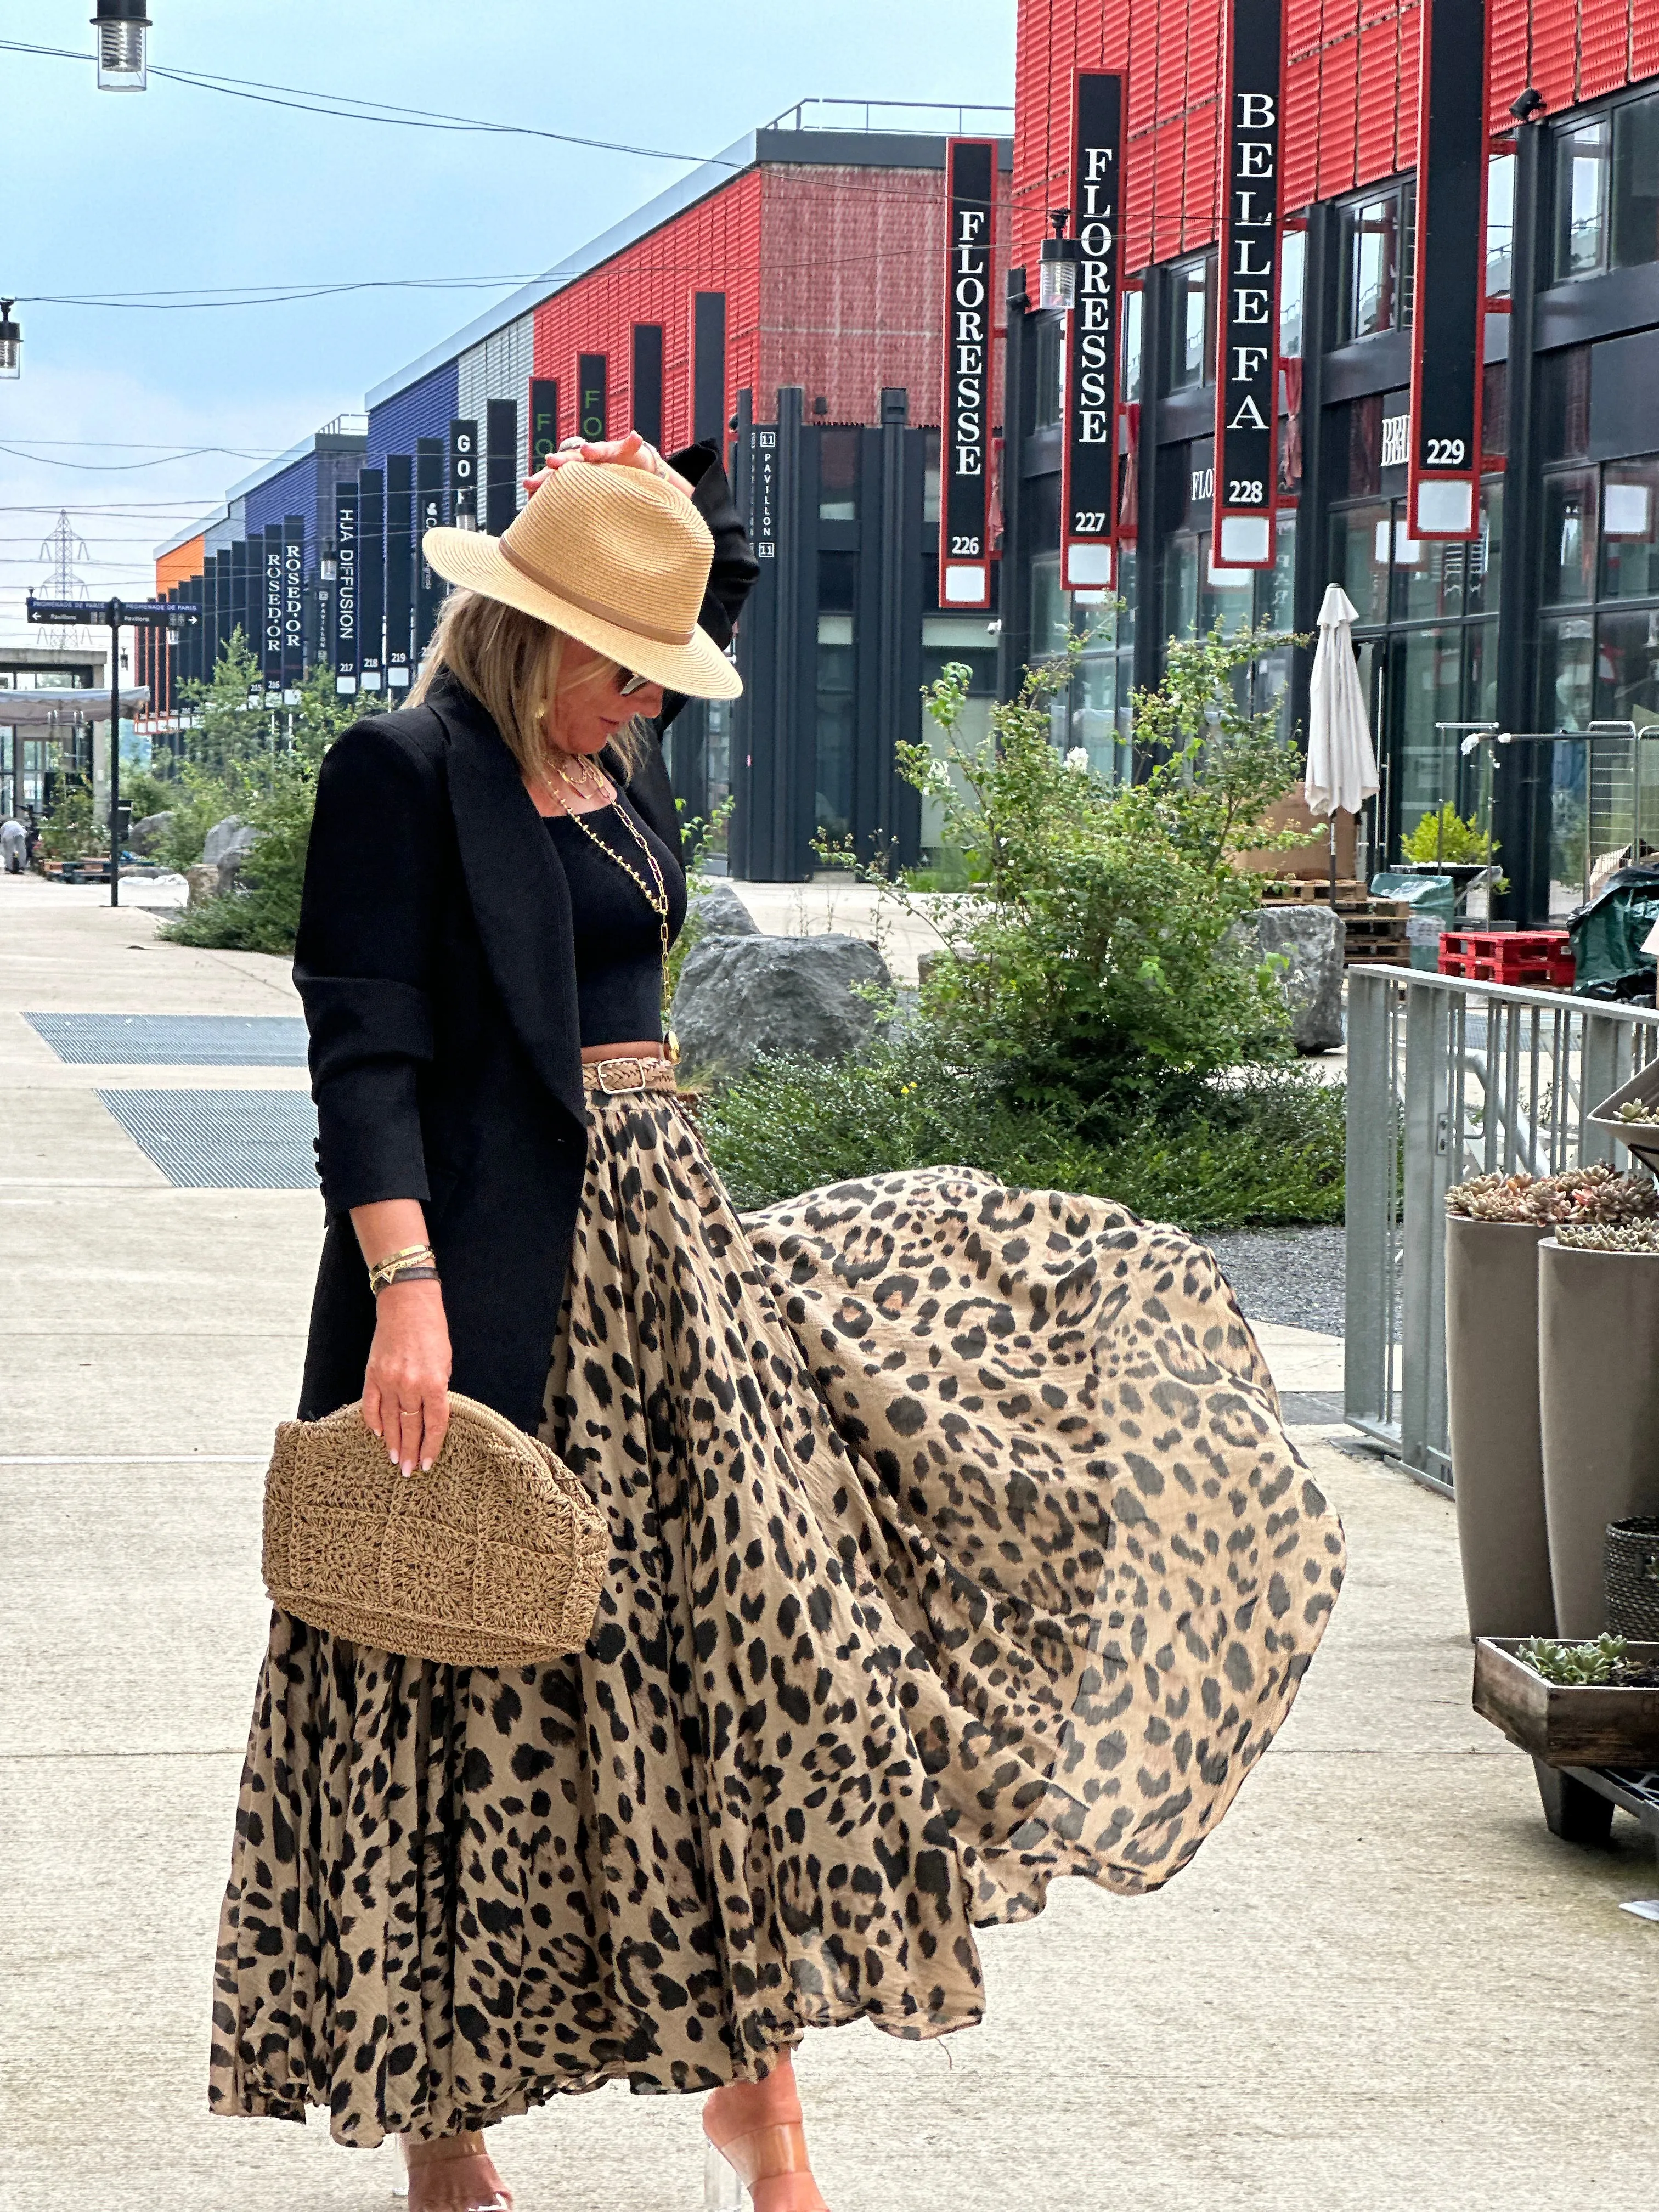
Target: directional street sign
116, 614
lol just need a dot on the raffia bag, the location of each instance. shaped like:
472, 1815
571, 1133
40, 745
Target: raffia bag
493, 1558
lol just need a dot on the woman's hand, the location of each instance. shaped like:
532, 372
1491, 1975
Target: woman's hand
406, 1386
630, 452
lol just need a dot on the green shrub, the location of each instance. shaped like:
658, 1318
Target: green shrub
71, 830
1265, 1150
1089, 967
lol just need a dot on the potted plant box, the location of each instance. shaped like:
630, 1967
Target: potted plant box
1569, 1724
1642, 1136
1598, 1325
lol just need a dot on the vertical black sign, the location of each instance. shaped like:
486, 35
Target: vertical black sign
708, 370
645, 397
1088, 537
544, 421
249, 608
763, 492
464, 473
294, 607
429, 515
593, 409
345, 587
270, 659
1247, 357
399, 570
501, 464
1443, 479
965, 549
238, 559
371, 579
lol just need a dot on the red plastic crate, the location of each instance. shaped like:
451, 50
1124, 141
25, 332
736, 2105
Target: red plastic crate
1519, 956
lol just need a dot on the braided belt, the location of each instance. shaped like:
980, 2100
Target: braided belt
628, 1074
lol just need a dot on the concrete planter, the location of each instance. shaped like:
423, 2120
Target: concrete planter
1598, 1326
1493, 1411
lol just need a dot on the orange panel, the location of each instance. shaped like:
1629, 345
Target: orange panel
178, 566
1379, 85
1644, 42
1604, 29
1509, 41
1339, 88
1555, 51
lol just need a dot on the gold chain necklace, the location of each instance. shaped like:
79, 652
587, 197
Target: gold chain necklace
655, 893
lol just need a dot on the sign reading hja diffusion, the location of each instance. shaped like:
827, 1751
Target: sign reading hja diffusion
965, 546
344, 610
1443, 467
1088, 534
1247, 364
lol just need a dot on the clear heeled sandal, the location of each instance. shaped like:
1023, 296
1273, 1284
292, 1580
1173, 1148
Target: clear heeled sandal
768, 2166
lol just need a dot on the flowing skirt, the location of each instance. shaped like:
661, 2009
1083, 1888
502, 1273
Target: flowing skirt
956, 1545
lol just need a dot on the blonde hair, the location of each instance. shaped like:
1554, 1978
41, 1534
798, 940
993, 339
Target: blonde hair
510, 663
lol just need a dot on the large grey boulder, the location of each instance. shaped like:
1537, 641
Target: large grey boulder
1310, 939
221, 838
149, 832
739, 996
719, 912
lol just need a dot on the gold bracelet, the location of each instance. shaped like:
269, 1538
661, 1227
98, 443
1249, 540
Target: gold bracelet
398, 1263
409, 1274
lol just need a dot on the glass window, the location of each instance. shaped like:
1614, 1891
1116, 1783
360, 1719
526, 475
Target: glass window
966, 639
1627, 669
838, 476
1376, 251
1636, 183
1428, 573
1133, 306
1292, 292
1051, 613
1279, 584
1192, 322
930, 493
838, 580
1565, 698
1429, 664
1569, 535
1495, 408
1046, 371
1364, 447
1500, 226
1360, 552
1581, 199
1564, 403
1630, 530
1486, 553
833, 795
1227, 597
1180, 572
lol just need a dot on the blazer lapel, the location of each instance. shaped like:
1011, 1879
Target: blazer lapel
520, 897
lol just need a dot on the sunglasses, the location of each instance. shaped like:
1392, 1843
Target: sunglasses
628, 684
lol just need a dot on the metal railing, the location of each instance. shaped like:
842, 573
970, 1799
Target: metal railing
1449, 1079
861, 115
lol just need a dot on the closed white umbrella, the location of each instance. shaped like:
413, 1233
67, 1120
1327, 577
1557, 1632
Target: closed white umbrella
1341, 763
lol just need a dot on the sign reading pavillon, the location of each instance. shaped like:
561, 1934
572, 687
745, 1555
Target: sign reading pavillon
1247, 365
964, 548
1088, 461
1443, 468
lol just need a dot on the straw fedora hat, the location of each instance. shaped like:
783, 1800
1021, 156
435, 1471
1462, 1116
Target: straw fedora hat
609, 554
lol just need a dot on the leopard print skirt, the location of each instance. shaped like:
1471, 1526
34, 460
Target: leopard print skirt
956, 1545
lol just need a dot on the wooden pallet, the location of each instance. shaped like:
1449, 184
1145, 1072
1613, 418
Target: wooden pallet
1296, 890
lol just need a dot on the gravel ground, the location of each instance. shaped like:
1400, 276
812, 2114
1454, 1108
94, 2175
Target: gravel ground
1294, 1276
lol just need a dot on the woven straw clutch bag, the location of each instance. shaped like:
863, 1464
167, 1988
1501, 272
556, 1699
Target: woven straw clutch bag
493, 1558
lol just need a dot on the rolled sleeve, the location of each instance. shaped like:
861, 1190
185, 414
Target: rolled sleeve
363, 965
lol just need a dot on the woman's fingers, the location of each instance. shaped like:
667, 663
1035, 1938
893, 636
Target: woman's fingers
372, 1406
437, 1426
408, 1427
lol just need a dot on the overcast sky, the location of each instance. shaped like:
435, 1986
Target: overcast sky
179, 187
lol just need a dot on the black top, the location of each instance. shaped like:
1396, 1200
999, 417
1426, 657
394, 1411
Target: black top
618, 938
437, 959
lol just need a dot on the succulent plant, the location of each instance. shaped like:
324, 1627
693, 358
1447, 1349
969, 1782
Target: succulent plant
1592, 1194
1639, 1109
1578, 1665
1609, 1237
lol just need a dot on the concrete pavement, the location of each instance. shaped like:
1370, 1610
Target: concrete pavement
1381, 1985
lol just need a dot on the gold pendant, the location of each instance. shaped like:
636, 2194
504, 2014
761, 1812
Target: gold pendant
673, 1049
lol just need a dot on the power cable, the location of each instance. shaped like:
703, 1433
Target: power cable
111, 468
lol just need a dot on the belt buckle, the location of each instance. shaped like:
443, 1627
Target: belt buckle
629, 1062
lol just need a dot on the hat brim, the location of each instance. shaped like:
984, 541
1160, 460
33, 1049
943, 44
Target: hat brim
697, 670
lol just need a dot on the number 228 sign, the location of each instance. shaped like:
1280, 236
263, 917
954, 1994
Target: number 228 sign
964, 551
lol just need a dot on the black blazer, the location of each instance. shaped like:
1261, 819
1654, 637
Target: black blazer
435, 961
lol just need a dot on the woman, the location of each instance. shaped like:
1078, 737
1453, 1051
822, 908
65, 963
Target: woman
955, 1541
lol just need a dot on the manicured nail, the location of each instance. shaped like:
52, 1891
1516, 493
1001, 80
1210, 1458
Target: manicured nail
426, 1466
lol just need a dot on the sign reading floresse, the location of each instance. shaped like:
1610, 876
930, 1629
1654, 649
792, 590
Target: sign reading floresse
1246, 366
965, 549
1089, 459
